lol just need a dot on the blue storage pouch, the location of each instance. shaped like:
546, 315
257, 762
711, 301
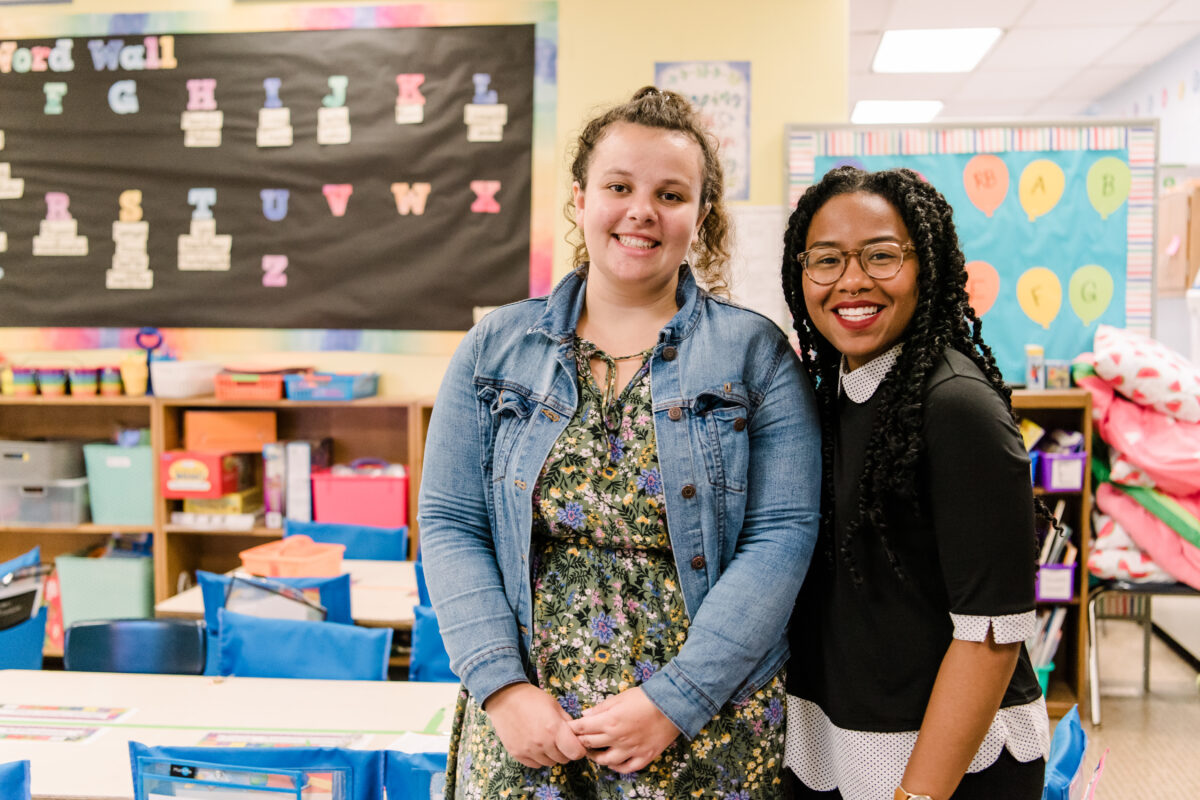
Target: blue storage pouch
255, 647
361, 541
21, 645
415, 776
29, 559
334, 591
354, 774
1065, 765
430, 662
14, 780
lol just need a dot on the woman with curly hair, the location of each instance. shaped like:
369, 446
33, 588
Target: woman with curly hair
620, 484
908, 678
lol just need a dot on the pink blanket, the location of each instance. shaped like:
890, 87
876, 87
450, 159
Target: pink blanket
1168, 549
1165, 448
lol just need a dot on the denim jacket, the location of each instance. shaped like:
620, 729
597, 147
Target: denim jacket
739, 455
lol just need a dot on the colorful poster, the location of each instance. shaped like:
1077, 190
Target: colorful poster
1055, 223
721, 91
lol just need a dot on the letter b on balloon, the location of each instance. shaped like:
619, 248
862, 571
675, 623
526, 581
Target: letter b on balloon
1108, 184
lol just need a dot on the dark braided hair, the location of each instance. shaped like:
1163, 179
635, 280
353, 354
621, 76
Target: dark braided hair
943, 319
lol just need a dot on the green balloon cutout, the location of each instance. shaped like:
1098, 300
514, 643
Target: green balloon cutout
1108, 183
1090, 290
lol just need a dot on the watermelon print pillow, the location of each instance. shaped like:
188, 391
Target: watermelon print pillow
1148, 373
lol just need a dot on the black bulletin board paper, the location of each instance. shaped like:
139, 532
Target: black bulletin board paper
371, 268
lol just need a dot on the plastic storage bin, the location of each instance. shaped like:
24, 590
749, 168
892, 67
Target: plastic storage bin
380, 500
121, 484
328, 386
248, 386
1055, 583
294, 557
1061, 472
38, 462
115, 587
183, 378
62, 502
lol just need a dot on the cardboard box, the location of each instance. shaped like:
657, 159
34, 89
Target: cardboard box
228, 431
1177, 261
244, 502
187, 473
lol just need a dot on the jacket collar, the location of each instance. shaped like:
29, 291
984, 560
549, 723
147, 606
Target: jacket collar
565, 304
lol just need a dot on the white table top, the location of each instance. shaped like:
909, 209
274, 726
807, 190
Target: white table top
382, 595
183, 709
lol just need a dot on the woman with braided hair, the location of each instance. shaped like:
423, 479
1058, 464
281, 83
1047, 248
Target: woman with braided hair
908, 678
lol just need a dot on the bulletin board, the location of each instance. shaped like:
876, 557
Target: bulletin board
1056, 221
337, 171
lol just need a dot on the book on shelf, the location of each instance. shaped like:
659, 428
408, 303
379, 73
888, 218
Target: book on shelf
301, 457
274, 483
1043, 644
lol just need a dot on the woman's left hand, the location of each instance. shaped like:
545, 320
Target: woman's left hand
625, 732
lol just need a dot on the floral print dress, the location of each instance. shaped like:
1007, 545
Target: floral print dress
608, 614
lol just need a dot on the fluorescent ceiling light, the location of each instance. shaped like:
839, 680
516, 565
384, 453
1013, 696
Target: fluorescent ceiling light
870, 112
942, 50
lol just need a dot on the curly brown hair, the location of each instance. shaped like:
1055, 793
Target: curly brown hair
658, 108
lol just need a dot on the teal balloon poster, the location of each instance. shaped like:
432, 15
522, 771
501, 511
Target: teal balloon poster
1057, 237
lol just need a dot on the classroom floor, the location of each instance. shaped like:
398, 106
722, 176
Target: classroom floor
1153, 741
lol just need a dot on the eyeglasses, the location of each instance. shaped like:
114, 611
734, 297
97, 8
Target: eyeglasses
826, 265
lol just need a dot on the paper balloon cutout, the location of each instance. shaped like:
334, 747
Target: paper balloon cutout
1040, 294
983, 286
1041, 187
1091, 291
1108, 183
986, 180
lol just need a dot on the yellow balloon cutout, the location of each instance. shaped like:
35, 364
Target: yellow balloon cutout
1091, 291
1041, 187
1040, 294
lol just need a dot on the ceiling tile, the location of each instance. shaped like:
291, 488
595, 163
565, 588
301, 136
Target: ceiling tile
862, 51
1029, 84
984, 109
1039, 48
892, 86
1095, 82
1060, 108
1180, 11
868, 15
1148, 44
943, 14
1069, 13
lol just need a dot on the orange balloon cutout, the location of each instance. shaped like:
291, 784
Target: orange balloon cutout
986, 180
983, 286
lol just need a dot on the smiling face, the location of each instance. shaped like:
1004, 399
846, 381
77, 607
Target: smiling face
641, 207
861, 316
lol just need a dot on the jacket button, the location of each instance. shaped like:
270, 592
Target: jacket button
739, 424
698, 562
688, 491
669, 353
674, 413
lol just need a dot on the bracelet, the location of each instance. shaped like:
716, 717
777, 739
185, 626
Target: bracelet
904, 794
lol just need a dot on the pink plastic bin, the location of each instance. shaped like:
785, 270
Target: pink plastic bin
294, 557
378, 500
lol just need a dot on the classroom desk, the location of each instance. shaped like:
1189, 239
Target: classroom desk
183, 709
382, 595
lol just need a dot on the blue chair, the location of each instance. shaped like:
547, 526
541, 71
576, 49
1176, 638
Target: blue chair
162, 771
283, 648
168, 646
422, 587
14, 780
414, 776
334, 593
361, 541
430, 661
21, 645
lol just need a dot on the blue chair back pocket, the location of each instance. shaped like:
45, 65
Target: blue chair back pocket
415, 776
256, 647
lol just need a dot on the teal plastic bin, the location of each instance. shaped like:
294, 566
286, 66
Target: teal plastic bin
114, 587
121, 484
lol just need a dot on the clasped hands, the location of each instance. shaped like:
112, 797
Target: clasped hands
624, 733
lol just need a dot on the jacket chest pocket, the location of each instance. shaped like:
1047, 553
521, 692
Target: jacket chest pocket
725, 432
509, 411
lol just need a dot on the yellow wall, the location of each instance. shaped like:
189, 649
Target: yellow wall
606, 49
